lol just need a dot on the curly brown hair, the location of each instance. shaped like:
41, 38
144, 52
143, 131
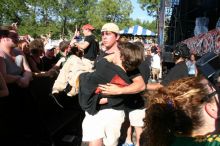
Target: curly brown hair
174, 110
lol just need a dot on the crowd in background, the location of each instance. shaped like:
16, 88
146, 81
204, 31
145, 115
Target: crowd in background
84, 68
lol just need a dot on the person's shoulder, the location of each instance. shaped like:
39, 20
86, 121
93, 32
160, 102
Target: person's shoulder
73, 58
101, 55
134, 73
17, 52
180, 65
109, 57
214, 140
44, 58
90, 37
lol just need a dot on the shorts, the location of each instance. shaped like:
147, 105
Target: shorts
155, 71
105, 124
136, 117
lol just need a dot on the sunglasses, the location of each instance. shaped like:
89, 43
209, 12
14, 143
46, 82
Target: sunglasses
210, 95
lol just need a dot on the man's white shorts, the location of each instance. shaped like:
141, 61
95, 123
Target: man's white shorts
136, 117
105, 124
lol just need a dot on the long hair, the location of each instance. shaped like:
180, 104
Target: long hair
63, 45
174, 110
36, 46
131, 54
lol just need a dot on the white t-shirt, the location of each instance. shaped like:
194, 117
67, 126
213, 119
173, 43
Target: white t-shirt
155, 63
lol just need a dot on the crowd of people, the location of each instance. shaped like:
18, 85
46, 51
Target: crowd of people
116, 83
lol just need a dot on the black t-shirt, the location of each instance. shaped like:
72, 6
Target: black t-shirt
49, 62
136, 101
132, 101
180, 70
40, 65
92, 50
104, 73
144, 68
131, 74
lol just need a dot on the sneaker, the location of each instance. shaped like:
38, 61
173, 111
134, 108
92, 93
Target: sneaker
127, 144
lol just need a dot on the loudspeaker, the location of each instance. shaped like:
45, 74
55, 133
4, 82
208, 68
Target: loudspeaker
209, 66
181, 50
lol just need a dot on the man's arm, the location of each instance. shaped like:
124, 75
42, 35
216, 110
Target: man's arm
137, 86
25, 79
27, 71
153, 86
82, 45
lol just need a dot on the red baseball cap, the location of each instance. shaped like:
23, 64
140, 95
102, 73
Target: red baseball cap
88, 26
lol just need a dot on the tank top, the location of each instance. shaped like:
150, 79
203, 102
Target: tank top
13, 67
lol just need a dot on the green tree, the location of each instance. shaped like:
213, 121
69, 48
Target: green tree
73, 13
12, 11
40, 18
151, 6
117, 11
145, 24
37, 17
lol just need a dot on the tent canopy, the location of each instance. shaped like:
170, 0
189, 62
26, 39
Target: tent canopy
137, 30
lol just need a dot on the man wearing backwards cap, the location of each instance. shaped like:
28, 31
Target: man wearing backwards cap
109, 133
90, 45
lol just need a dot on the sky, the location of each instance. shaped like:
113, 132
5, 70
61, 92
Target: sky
139, 13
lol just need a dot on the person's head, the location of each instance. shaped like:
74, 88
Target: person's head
8, 36
23, 46
131, 55
140, 45
65, 45
192, 57
182, 51
154, 50
87, 29
49, 50
37, 47
148, 52
110, 35
182, 108
75, 51
123, 39
77, 33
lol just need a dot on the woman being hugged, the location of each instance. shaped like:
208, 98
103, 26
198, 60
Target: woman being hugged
183, 113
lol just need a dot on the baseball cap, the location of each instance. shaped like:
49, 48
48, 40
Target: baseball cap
88, 26
49, 46
110, 27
